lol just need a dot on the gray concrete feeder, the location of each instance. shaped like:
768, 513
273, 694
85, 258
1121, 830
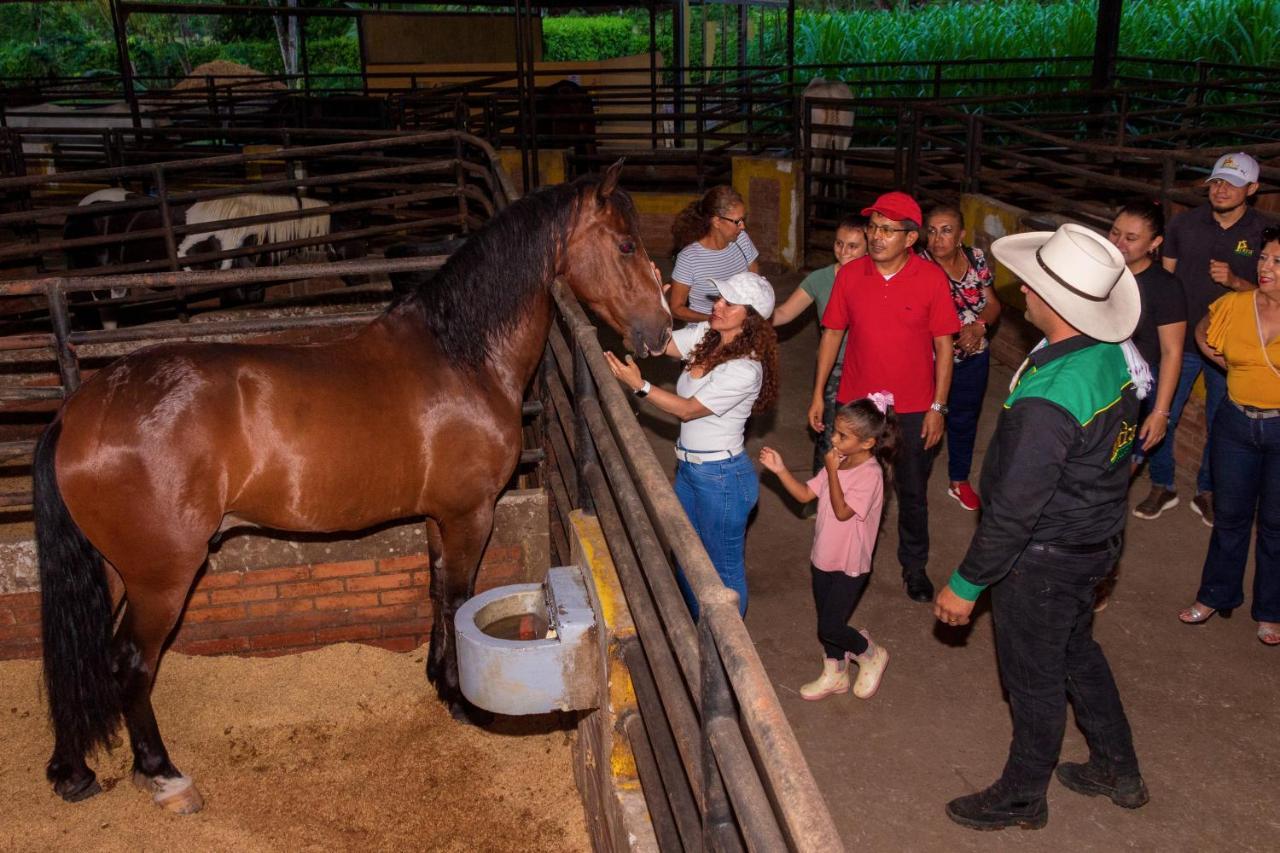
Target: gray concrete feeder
558, 673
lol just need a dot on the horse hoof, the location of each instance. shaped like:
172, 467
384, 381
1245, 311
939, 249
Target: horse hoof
465, 712
178, 794
83, 791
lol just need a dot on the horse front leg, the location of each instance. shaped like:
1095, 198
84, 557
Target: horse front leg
454, 566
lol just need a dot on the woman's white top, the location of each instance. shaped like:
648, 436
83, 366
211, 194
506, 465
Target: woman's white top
696, 266
729, 390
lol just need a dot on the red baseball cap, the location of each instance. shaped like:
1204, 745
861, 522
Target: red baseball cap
897, 206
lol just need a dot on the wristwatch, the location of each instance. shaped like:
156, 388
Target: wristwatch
940, 408
643, 390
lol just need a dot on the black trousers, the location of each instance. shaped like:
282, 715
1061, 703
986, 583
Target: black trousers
1043, 612
911, 484
835, 595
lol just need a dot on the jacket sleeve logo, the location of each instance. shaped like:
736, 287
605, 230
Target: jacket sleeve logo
1123, 445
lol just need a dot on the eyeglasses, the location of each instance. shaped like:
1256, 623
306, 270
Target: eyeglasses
886, 230
740, 222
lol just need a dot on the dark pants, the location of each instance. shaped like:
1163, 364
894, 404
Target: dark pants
1246, 485
1043, 612
964, 402
911, 481
835, 594
829, 405
1161, 466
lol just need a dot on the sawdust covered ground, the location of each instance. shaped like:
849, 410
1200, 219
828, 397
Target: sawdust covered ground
345, 748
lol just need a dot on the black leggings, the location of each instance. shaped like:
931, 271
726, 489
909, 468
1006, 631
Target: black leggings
835, 594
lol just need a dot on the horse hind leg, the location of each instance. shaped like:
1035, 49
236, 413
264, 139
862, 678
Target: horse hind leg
149, 618
453, 576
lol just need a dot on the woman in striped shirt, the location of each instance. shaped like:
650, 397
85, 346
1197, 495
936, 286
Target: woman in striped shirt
710, 236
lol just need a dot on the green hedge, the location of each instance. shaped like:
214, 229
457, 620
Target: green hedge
70, 38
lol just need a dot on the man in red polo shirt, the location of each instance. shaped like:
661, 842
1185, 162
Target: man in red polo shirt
898, 311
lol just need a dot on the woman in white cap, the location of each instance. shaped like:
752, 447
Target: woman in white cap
730, 372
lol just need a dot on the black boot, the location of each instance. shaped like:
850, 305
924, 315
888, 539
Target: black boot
919, 587
1126, 790
999, 807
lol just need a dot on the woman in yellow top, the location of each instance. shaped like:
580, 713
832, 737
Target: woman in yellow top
1242, 334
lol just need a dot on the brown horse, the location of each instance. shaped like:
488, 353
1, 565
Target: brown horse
417, 414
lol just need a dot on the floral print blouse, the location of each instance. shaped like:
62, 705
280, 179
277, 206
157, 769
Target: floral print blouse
968, 293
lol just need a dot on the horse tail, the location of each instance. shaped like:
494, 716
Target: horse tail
84, 699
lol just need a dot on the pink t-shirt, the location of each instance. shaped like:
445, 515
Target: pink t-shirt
845, 546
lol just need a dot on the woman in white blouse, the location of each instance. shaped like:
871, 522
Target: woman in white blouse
731, 372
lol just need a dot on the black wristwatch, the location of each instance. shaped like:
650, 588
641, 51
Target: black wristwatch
643, 390
940, 408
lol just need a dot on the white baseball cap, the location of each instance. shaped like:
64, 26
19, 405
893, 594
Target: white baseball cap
1238, 169
748, 288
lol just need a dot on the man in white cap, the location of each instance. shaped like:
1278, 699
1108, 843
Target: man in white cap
1054, 486
1211, 249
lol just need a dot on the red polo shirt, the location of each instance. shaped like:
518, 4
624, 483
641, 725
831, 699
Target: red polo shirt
891, 326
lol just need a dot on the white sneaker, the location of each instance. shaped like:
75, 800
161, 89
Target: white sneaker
834, 679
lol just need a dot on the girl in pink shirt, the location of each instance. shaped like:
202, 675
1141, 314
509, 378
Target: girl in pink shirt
850, 495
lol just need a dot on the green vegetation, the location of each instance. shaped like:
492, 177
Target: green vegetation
42, 40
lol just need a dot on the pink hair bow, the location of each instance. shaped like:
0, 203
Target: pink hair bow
882, 400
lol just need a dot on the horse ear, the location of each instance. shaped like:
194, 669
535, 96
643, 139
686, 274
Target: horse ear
610, 182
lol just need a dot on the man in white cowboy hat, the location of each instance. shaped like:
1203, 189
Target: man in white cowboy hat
1211, 249
1054, 486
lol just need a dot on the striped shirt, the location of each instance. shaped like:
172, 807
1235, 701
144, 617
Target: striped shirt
696, 266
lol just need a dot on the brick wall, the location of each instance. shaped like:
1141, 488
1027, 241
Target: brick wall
264, 595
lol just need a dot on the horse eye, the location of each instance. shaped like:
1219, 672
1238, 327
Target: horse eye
627, 248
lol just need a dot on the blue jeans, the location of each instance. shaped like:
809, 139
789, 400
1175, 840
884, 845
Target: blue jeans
1043, 616
1215, 389
718, 498
1246, 476
964, 404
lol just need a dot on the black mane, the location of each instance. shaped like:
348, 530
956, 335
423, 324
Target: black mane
480, 293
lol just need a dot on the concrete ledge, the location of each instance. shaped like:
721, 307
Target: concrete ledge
604, 765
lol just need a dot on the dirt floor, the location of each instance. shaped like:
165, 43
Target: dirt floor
1204, 701
341, 749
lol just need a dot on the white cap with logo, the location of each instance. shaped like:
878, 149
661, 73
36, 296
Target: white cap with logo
1238, 169
747, 288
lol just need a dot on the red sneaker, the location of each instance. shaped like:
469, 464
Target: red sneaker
965, 495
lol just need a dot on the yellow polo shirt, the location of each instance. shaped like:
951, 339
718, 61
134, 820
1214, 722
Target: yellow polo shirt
1233, 331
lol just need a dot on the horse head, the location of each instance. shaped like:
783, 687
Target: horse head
605, 263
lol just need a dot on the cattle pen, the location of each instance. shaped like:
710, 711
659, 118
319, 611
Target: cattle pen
711, 761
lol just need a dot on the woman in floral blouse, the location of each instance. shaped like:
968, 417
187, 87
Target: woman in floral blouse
977, 306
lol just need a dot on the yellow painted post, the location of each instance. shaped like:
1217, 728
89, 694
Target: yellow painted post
771, 188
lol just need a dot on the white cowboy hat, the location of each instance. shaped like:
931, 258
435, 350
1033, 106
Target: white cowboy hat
1080, 275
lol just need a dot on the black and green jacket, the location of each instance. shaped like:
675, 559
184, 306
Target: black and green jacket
1057, 470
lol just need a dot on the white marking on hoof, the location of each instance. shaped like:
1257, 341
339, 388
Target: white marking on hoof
178, 794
